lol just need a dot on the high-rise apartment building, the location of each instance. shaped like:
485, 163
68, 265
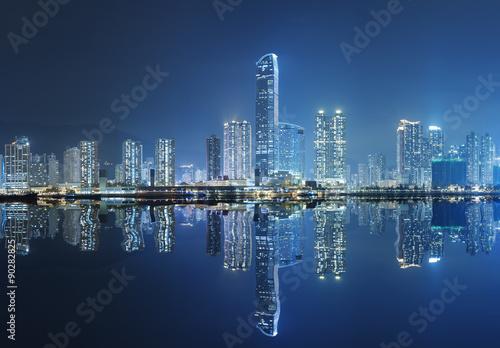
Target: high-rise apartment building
165, 162
238, 150
89, 164
409, 150
436, 141
330, 149
17, 164
132, 162
473, 159
487, 160
267, 115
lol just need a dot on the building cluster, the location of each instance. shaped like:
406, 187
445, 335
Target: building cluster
279, 158
422, 161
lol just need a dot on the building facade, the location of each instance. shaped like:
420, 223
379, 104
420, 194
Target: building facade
89, 164
132, 162
17, 164
292, 156
330, 149
213, 157
238, 150
72, 165
409, 149
267, 115
165, 162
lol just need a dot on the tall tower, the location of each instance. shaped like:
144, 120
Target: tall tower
409, 150
17, 164
292, 149
473, 159
330, 149
165, 162
132, 162
237, 150
213, 157
266, 115
89, 164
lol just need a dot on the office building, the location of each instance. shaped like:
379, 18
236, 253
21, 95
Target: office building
448, 172
54, 170
267, 115
292, 155
165, 162
330, 149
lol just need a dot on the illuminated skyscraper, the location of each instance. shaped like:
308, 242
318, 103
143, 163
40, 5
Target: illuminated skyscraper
165, 162
17, 164
267, 114
377, 167
487, 160
132, 162
409, 150
72, 166
330, 149
213, 157
238, 150
187, 173
436, 140
89, 164
292, 156
1, 172
473, 159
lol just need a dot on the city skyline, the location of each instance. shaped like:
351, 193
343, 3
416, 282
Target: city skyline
435, 89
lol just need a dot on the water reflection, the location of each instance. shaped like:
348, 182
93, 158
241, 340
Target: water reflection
275, 233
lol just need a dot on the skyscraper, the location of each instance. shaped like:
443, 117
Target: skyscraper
237, 150
409, 149
267, 115
165, 162
377, 167
473, 159
292, 149
89, 164
436, 140
330, 149
132, 162
487, 160
72, 165
17, 164
213, 157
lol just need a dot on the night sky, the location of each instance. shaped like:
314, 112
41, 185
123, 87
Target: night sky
428, 58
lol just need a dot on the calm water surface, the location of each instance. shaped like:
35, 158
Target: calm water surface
390, 274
